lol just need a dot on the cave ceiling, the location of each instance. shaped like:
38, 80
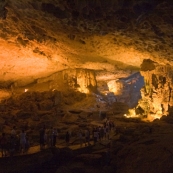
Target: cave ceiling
41, 37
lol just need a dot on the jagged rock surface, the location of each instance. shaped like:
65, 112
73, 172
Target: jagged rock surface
157, 93
38, 38
83, 80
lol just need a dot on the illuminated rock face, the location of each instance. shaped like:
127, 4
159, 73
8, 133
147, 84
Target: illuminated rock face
126, 90
115, 86
39, 38
82, 80
157, 94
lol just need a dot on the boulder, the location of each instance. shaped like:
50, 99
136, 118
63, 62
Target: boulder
38, 96
46, 105
70, 118
33, 107
47, 95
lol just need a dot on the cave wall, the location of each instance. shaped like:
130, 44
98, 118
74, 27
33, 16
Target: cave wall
157, 95
39, 38
82, 80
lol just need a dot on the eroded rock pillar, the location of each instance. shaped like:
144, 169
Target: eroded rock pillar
157, 95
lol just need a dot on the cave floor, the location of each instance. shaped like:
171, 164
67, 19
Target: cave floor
136, 146
73, 145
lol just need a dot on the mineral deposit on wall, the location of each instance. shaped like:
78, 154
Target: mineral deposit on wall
157, 96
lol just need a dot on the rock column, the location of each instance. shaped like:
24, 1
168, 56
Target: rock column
157, 95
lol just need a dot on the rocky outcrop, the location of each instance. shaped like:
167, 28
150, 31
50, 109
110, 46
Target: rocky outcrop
79, 79
126, 90
83, 80
31, 110
157, 96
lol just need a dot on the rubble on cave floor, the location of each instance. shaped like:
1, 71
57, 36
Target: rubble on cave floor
132, 142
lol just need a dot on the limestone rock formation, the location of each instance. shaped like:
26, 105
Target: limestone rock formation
82, 80
157, 93
39, 38
41, 41
65, 62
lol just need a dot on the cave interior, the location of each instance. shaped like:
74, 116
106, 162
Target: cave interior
62, 58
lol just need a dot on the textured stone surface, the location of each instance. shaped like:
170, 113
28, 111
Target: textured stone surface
157, 93
38, 38
60, 45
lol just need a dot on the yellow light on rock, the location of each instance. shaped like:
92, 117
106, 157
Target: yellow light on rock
26, 90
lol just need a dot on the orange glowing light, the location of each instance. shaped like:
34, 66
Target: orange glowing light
26, 90
112, 86
83, 90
